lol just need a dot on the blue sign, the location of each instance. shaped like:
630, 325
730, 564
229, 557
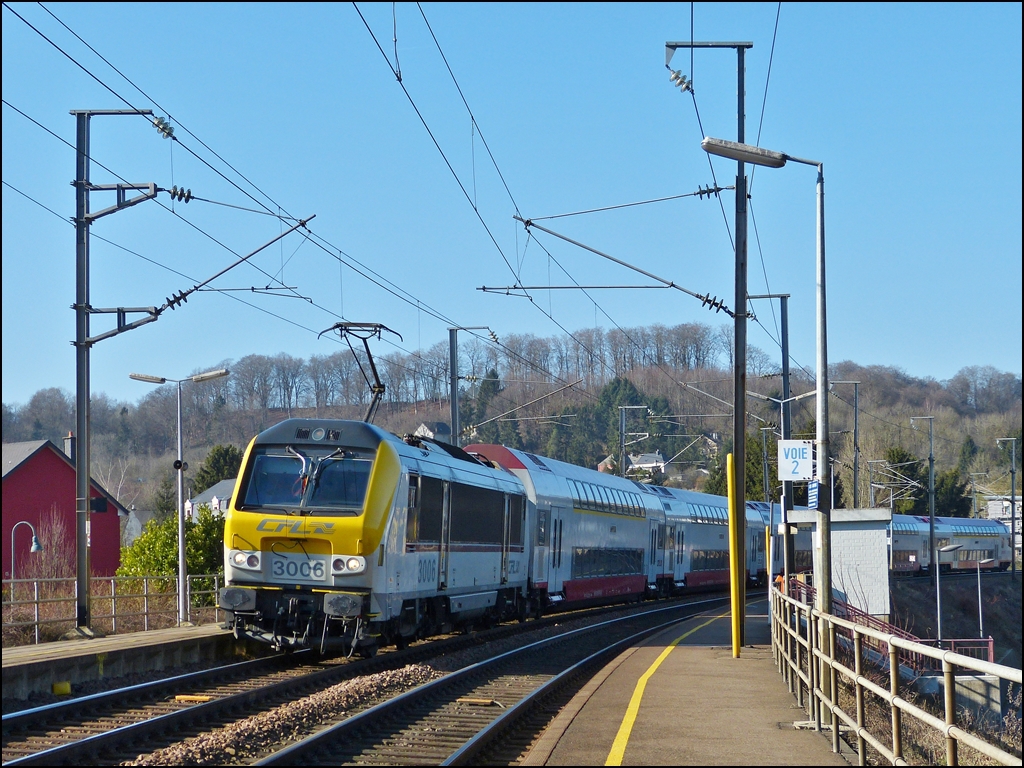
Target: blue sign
812, 494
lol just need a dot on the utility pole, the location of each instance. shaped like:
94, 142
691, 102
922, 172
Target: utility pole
453, 364
974, 490
856, 440
1013, 500
739, 305
931, 507
785, 430
83, 310
83, 342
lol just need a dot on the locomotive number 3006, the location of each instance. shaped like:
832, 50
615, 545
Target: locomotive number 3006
302, 568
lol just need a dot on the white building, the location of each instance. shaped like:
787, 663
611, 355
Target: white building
217, 497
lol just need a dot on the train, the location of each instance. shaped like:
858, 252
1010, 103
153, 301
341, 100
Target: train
343, 536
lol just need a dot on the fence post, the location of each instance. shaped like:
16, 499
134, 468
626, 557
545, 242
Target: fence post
813, 630
35, 613
858, 666
834, 684
949, 680
894, 689
113, 607
145, 603
216, 601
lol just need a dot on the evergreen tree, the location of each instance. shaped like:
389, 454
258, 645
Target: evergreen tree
222, 463
165, 502
951, 496
968, 450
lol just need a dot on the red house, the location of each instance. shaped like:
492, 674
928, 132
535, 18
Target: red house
39, 488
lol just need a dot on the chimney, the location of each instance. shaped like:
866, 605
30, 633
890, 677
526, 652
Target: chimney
71, 445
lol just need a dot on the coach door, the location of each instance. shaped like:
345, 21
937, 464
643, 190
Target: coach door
446, 536
558, 555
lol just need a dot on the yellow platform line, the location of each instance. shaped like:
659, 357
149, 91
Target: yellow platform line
626, 728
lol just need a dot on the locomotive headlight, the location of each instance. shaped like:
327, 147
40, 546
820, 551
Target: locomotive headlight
242, 559
348, 565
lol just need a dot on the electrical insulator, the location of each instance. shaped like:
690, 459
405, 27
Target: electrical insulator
493, 335
678, 78
163, 127
180, 194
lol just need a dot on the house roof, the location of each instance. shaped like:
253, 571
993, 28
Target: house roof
16, 454
221, 490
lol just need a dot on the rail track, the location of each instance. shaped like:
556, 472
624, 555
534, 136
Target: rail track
118, 725
472, 716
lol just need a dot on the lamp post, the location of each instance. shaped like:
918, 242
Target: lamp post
981, 627
766, 157
1013, 500
180, 466
36, 546
938, 593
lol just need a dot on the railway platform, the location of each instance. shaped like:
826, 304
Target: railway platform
31, 669
680, 698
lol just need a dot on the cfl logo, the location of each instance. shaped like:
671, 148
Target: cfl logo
270, 525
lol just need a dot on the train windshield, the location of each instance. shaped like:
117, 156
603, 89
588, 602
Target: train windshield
304, 481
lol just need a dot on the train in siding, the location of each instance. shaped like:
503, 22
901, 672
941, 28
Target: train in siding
341, 535
980, 540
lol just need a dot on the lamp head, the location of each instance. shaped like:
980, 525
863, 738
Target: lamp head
146, 378
746, 153
220, 373
36, 546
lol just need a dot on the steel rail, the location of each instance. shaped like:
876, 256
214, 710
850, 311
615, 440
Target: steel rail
446, 687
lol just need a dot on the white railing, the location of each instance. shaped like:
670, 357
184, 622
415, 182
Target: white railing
38, 610
814, 651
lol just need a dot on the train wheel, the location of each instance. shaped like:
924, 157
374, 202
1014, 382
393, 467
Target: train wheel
367, 651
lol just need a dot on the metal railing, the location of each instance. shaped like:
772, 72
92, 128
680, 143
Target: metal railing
979, 648
814, 650
38, 610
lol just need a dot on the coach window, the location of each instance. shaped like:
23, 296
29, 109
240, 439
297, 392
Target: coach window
542, 527
412, 525
477, 514
431, 508
516, 509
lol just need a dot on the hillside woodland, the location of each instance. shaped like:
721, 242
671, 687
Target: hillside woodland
563, 397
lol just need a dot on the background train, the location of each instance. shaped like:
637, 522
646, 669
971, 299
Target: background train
343, 535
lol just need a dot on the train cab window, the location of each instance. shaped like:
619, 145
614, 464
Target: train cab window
274, 481
340, 483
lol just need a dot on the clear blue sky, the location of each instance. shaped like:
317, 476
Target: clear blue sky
915, 111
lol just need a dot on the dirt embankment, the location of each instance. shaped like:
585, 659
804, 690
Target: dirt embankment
913, 608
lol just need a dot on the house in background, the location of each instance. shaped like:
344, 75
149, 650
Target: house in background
217, 497
39, 483
435, 430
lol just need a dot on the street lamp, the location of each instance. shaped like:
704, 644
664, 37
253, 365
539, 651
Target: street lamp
986, 561
938, 593
36, 546
180, 466
766, 157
